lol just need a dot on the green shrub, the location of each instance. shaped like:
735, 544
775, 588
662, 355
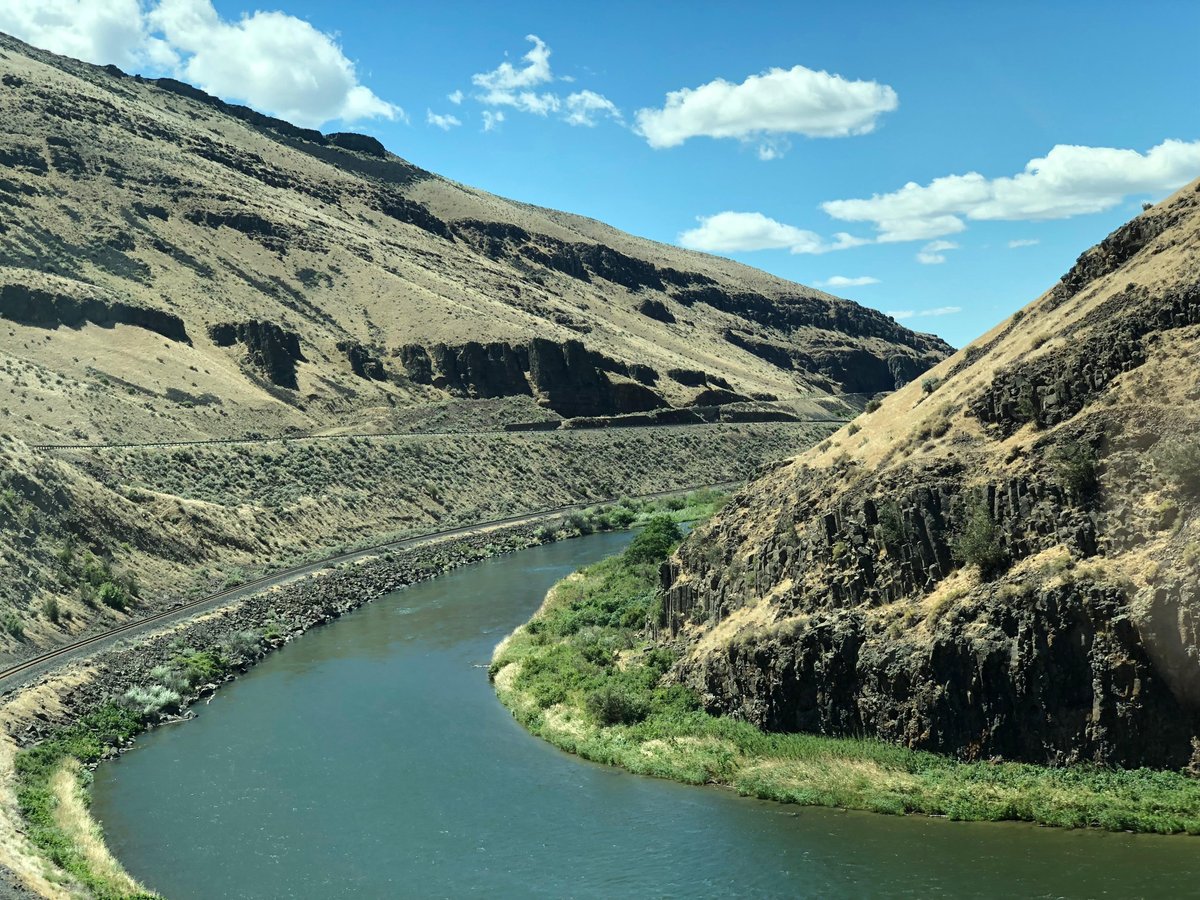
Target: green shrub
113, 596
929, 385
11, 623
873, 405
980, 543
148, 701
616, 704
199, 666
655, 542
891, 525
51, 610
1075, 467
1179, 460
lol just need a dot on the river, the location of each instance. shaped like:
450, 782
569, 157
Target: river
370, 758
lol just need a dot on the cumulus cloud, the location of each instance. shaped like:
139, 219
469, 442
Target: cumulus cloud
519, 87
1022, 242
275, 62
921, 313
780, 101
98, 31
841, 281
445, 122
456, 98
732, 232
492, 120
508, 85
933, 253
507, 77
584, 106
1067, 181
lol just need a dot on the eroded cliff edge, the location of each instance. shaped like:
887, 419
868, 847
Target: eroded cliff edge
1000, 560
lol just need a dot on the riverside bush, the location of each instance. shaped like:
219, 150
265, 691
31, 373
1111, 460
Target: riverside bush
656, 541
148, 701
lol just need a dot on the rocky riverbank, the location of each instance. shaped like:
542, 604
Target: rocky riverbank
275, 617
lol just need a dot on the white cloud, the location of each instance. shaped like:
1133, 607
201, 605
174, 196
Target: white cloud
779, 101
443, 122
275, 62
841, 281
584, 106
506, 77
1022, 242
921, 313
932, 254
732, 232
98, 31
492, 120
507, 85
456, 98
518, 87
1067, 181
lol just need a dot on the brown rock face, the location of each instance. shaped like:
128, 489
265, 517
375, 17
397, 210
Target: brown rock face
47, 309
270, 349
1000, 562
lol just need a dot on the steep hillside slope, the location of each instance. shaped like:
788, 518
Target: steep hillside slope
1001, 559
173, 267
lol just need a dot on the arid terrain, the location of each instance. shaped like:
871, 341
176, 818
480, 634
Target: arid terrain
1000, 560
173, 268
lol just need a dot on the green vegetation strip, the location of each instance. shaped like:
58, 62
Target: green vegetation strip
583, 675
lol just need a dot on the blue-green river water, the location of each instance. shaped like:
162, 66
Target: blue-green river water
370, 758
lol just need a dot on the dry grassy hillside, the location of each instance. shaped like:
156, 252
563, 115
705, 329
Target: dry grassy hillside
1002, 558
162, 523
173, 267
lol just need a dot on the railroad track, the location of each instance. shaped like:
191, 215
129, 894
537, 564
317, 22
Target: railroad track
10, 677
290, 439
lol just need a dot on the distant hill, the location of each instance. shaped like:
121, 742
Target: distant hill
1000, 560
172, 266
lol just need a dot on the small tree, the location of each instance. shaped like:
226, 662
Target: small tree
655, 542
981, 542
1075, 465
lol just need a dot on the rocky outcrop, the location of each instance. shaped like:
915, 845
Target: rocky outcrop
363, 363
480, 370
270, 349
359, 143
49, 309
990, 591
657, 310
584, 261
1060, 678
568, 379
250, 224
565, 377
393, 204
853, 369
1054, 386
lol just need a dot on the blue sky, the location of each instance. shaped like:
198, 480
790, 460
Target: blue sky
918, 94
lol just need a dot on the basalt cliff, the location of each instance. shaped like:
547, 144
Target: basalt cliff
1001, 559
